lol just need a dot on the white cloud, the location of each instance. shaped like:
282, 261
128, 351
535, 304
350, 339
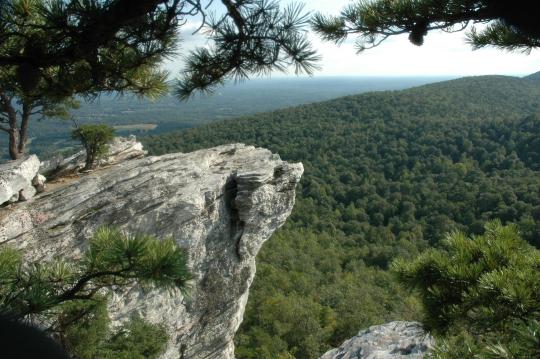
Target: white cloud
442, 54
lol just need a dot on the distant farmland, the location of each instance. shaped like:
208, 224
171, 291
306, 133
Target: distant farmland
136, 127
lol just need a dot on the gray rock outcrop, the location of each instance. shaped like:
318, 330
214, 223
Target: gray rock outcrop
123, 149
16, 179
221, 204
119, 150
388, 341
39, 183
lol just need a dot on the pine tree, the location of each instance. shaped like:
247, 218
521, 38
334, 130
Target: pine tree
510, 24
481, 294
94, 139
85, 331
39, 290
51, 51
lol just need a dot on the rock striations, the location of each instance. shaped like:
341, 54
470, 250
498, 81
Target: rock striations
221, 204
388, 341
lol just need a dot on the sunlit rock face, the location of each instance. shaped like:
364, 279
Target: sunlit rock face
221, 204
395, 340
16, 179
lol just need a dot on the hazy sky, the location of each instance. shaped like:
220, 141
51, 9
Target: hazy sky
442, 54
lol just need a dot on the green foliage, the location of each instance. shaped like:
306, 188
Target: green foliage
502, 36
408, 166
83, 326
86, 333
85, 47
113, 259
387, 175
522, 340
509, 25
69, 297
132, 115
44, 65
254, 37
58, 45
94, 138
52, 51
307, 297
486, 288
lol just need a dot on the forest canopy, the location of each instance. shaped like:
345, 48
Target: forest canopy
387, 175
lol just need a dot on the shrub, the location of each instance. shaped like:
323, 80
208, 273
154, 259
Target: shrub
94, 138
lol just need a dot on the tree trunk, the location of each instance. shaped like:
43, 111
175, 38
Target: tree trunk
89, 163
13, 133
23, 132
7, 109
13, 144
90, 159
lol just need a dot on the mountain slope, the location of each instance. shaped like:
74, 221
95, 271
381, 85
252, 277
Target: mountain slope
133, 115
387, 174
535, 76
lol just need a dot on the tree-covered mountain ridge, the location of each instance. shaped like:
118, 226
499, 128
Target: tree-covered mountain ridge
469, 98
533, 76
387, 175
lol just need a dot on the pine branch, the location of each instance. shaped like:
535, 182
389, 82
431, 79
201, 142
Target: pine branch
254, 37
113, 260
375, 21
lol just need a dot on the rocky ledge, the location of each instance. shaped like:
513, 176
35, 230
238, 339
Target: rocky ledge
120, 149
221, 204
393, 340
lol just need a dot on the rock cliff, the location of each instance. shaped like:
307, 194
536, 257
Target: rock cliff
393, 340
221, 204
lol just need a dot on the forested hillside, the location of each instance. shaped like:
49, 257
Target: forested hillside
387, 175
535, 76
134, 115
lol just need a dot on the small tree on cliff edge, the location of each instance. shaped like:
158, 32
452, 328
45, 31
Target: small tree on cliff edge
94, 139
510, 24
53, 50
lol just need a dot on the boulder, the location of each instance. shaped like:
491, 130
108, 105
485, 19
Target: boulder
16, 179
395, 340
39, 183
123, 149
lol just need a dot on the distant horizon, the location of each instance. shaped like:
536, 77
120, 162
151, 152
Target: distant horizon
291, 77
422, 80
392, 76
257, 95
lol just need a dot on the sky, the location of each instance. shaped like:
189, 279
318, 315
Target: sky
443, 54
